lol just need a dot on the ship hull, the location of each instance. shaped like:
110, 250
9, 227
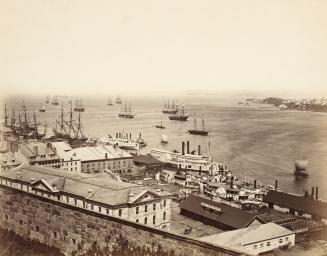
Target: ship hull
198, 132
169, 111
79, 109
126, 115
159, 126
178, 118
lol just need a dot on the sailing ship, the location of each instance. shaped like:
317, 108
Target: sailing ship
170, 108
124, 141
126, 112
79, 106
164, 138
197, 131
42, 108
109, 102
22, 127
118, 100
54, 101
160, 126
181, 115
47, 100
68, 128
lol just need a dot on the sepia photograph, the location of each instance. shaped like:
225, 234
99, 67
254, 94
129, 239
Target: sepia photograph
163, 128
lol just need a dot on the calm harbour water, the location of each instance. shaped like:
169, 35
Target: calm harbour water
257, 141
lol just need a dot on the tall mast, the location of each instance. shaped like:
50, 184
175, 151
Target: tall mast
20, 124
195, 124
35, 124
6, 116
173, 106
168, 106
26, 128
71, 118
202, 124
13, 118
130, 108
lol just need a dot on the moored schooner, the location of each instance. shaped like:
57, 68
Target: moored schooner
197, 131
126, 112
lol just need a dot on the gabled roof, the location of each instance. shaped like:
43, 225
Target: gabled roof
104, 188
307, 205
245, 236
146, 159
99, 153
228, 215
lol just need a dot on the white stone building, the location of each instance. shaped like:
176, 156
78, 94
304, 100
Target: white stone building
254, 239
94, 192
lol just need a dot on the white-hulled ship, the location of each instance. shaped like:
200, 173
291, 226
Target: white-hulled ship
124, 141
301, 167
126, 112
189, 161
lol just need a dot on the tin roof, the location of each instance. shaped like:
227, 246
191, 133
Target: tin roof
225, 214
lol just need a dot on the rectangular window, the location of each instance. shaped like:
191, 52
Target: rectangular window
75, 201
108, 211
164, 216
261, 245
83, 204
92, 207
145, 208
137, 220
99, 209
120, 212
280, 240
164, 203
154, 207
137, 210
268, 243
286, 239
37, 229
146, 220
154, 219
255, 246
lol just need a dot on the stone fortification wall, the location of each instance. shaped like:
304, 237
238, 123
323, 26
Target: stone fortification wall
70, 228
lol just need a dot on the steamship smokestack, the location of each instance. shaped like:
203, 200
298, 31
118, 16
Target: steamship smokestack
187, 147
183, 148
199, 150
276, 184
317, 193
255, 184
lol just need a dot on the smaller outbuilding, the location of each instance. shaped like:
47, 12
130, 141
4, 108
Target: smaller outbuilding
254, 240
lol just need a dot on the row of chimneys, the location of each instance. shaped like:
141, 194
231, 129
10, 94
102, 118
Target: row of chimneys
188, 148
119, 135
255, 184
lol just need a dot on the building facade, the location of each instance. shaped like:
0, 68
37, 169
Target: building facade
255, 240
104, 157
96, 193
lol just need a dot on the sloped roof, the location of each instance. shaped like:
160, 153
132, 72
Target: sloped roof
104, 188
229, 215
307, 205
99, 153
245, 236
146, 159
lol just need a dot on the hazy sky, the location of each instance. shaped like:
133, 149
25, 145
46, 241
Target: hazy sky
127, 46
